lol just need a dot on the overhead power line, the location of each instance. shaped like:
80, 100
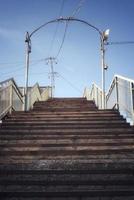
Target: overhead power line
63, 39
57, 26
79, 6
120, 43
13, 71
70, 83
77, 9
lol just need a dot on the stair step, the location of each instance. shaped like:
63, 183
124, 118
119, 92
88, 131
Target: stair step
63, 151
89, 193
63, 126
116, 131
70, 122
66, 118
66, 142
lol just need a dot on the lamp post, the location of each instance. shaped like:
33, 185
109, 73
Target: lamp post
103, 38
28, 51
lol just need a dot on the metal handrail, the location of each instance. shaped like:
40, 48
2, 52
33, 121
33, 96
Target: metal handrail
12, 98
18, 93
95, 94
121, 95
10, 102
6, 81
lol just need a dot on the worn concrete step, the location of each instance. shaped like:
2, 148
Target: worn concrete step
67, 106
112, 193
68, 146
63, 114
116, 131
42, 127
66, 142
66, 100
12, 138
63, 109
66, 118
110, 111
70, 166
66, 179
107, 159
129, 183
64, 104
67, 167
61, 151
77, 114
68, 187
45, 152
64, 122
16, 137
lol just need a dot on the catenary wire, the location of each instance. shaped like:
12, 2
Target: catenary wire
20, 68
63, 40
71, 84
120, 43
79, 6
57, 26
77, 9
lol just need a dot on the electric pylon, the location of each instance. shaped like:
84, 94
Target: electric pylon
52, 61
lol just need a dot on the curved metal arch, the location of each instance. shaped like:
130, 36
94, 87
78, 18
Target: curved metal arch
66, 19
62, 19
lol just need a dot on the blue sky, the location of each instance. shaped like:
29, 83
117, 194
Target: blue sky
79, 62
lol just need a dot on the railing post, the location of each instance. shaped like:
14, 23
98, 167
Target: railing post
132, 103
28, 51
11, 98
103, 71
117, 92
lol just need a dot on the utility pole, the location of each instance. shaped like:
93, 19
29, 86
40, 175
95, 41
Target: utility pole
52, 61
28, 51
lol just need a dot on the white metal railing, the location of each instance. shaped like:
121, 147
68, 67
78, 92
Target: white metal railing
86, 93
94, 94
35, 94
10, 97
46, 94
121, 96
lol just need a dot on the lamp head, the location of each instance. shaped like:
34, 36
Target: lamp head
106, 34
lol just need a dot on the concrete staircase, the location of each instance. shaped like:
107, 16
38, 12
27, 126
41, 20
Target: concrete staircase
66, 149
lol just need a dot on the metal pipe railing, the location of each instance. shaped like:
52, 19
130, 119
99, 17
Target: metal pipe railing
11, 97
120, 96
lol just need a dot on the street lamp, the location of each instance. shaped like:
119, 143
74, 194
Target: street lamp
103, 39
28, 51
